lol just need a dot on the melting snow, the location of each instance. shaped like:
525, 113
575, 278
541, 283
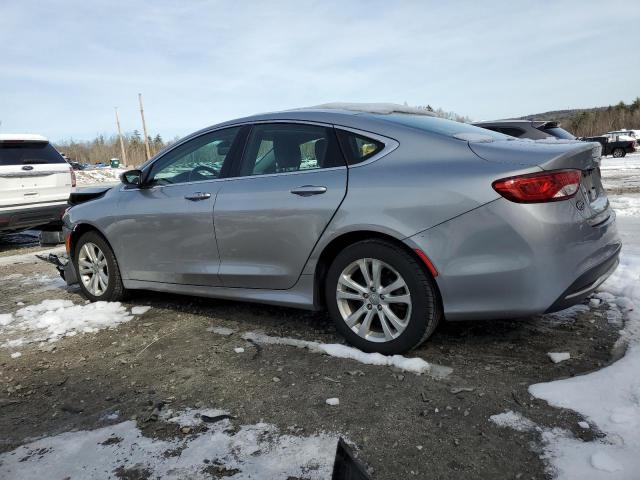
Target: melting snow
140, 310
414, 365
379, 108
557, 357
51, 320
253, 451
513, 420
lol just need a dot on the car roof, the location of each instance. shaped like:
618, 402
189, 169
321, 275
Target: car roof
503, 122
347, 114
22, 137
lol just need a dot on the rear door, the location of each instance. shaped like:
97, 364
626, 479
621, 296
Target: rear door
32, 173
290, 182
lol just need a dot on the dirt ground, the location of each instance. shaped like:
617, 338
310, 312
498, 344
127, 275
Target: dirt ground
402, 424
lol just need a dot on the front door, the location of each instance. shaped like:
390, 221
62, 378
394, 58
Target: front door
289, 184
164, 231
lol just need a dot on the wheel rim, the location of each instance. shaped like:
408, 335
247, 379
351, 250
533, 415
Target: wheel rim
617, 154
93, 269
373, 300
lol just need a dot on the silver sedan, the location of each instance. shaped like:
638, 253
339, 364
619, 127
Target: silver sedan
391, 219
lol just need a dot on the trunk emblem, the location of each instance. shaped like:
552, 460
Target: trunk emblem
27, 167
580, 205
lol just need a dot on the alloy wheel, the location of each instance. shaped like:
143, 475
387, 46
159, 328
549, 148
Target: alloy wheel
93, 269
373, 300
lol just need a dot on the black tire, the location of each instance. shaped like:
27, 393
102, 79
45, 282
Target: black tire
619, 153
426, 309
115, 290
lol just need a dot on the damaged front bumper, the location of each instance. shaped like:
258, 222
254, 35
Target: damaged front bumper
63, 265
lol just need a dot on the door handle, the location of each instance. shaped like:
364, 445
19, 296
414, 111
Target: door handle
308, 190
198, 196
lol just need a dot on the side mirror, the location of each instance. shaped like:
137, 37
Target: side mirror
132, 177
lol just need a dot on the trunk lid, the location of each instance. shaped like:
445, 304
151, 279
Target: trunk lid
591, 200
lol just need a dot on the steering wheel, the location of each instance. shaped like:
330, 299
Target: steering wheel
211, 170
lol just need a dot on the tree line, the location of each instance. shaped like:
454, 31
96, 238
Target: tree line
102, 149
589, 123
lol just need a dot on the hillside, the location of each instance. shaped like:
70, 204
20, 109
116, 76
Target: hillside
584, 122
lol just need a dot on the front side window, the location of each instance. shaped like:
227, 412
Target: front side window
197, 160
358, 148
287, 147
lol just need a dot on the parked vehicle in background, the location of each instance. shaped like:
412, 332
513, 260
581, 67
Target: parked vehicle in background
390, 220
532, 129
35, 182
611, 146
624, 135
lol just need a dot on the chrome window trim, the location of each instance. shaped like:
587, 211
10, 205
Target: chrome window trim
390, 145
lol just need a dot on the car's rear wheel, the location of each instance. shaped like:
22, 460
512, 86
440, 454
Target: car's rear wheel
381, 298
97, 269
619, 153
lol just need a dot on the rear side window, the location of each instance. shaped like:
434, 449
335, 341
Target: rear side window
358, 148
511, 131
28, 153
289, 147
558, 133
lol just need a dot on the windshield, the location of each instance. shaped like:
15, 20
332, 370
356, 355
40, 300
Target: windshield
443, 126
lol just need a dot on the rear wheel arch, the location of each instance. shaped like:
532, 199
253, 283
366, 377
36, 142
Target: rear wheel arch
333, 248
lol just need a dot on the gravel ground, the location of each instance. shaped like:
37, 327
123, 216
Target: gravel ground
402, 425
400, 422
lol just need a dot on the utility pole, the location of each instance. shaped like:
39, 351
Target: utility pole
124, 154
144, 128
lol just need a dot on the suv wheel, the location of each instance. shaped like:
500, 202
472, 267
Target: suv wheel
619, 153
381, 298
97, 269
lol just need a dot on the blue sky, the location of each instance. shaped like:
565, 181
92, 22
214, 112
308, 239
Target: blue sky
66, 64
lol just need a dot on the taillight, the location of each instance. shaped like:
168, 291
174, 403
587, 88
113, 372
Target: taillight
549, 186
73, 177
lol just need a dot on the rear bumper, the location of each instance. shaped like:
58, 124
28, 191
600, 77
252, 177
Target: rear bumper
586, 284
15, 219
507, 260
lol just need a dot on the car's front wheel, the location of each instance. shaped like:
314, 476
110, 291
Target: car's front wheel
97, 269
381, 298
619, 153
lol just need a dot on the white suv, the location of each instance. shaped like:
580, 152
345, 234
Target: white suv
35, 182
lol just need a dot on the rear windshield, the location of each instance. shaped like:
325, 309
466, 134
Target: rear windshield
558, 133
441, 126
28, 153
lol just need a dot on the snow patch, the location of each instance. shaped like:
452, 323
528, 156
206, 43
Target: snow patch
414, 365
253, 451
224, 331
609, 398
379, 108
333, 401
16, 355
51, 320
474, 137
513, 420
140, 310
557, 357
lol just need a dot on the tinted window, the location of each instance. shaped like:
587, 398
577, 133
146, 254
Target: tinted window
197, 160
558, 133
511, 131
439, 125
287, 147
28, 153
358, 148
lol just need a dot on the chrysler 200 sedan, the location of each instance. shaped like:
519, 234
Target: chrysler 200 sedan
392, 221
